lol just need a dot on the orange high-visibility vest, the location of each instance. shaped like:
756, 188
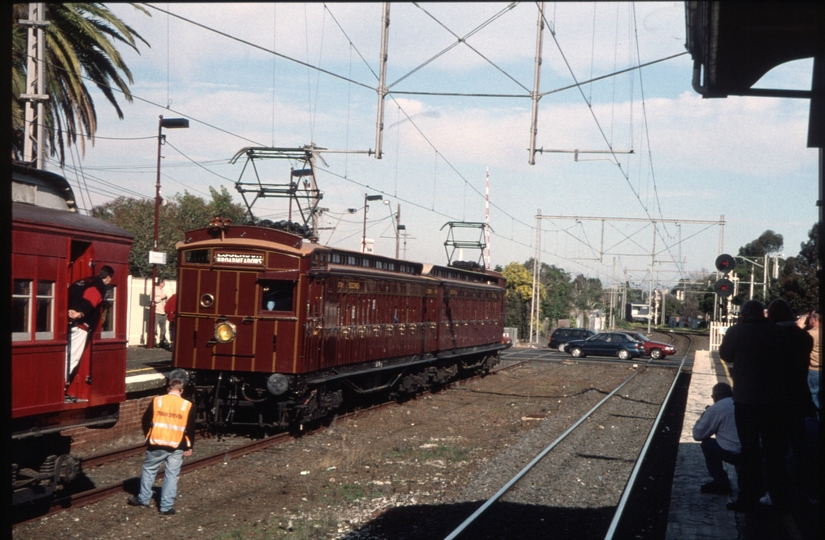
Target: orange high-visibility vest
171, 413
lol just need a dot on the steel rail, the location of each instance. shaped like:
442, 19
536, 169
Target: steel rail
467, 522
620, 508
102, 458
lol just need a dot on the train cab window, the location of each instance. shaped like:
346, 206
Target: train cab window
196, 256
44, 311
107, 313
276, 295
21, 298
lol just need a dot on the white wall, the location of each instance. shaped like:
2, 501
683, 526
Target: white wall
137, 319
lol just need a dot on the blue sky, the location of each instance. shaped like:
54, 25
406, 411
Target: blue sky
693, 159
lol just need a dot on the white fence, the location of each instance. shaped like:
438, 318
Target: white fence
137, 320
717, 332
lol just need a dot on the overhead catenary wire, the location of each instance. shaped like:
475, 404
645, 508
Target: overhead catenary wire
437, 153
400, 108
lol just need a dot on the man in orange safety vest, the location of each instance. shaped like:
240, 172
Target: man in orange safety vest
169, 424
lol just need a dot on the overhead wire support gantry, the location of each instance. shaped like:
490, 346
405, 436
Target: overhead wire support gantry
534, 307
301, 188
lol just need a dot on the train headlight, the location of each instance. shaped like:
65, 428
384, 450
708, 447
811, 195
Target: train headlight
224, 332
207, 300
277, 384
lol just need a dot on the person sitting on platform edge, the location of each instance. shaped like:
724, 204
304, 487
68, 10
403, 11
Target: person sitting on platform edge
169, 423
85, 300
718, 419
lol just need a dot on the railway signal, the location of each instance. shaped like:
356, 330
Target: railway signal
725, 263
724, 287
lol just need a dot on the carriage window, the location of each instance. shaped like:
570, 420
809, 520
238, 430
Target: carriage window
21, 298
277, 295
107, 313
197, 256
44, 316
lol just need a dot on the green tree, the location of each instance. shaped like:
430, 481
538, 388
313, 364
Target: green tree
587, 295
518, 295
559, 289
80, 44
193, 212
182, 213
799, 278
769, 243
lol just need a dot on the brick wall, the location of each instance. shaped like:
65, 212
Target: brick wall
127, 429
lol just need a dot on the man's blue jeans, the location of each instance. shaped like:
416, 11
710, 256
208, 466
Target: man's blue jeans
151, 466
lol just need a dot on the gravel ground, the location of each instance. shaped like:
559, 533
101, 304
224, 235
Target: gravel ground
410, 471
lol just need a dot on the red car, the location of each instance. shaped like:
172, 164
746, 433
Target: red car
654, 349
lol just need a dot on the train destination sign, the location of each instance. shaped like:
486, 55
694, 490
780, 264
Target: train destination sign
239, 258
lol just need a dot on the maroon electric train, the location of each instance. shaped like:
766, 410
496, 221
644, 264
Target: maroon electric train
276, 331
52, 247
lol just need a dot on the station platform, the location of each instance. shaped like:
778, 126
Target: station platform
146, 369
698, 515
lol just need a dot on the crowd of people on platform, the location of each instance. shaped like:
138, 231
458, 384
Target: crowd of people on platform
767, 424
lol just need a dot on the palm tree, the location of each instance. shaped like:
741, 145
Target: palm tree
80, 45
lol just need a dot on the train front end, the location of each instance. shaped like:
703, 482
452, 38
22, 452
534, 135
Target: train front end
238, 336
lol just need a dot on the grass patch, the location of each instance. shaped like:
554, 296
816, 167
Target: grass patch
351, 492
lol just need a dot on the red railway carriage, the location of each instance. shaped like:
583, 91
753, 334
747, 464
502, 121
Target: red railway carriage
52, 247
276, 330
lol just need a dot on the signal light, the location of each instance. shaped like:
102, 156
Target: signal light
725, 263
723, 287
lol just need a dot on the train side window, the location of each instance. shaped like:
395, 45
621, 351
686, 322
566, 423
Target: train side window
276, 295
107, 313
21, 298
44, 311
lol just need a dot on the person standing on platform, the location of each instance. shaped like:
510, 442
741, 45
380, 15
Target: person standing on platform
760, 396
169, 423
812, 326
160, 313
169, 310
796, 347
718, 419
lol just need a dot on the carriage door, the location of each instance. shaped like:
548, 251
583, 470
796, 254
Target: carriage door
81, 265
314, 326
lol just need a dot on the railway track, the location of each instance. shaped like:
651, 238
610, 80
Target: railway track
95, 494
535, 483
417, 471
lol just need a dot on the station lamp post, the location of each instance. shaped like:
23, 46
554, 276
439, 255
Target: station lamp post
367, 198
155, 257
